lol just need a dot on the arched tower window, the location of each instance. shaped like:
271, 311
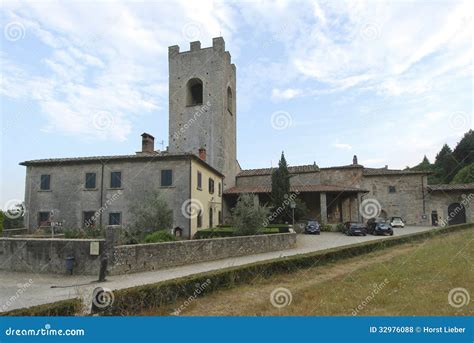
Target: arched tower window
194, 92
229, 100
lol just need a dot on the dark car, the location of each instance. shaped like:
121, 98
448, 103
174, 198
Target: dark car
379, 226
312, 227
354, 228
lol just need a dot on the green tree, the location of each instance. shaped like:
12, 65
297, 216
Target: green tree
464, 151
281, 189
444, 166
248, 216
465, 175
151, 214
1, 222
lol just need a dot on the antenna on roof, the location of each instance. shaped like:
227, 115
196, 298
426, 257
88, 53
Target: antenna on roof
162, 143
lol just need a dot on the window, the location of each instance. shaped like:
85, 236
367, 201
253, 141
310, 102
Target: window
90, 180
194, 90
45, 182
115, 218
392, 189
219, 189
166, 178
199, 176
89, 219
115, 179
199, 219
219, 217
211, 186
229, 100
211, 218
44, 218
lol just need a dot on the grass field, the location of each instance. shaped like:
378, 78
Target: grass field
405, 280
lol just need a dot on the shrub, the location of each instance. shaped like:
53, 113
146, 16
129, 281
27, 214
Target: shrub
229, 232
159, 236
149, 215
326, 227
248, 217
339, 227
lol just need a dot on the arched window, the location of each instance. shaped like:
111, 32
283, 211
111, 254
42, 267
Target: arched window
194, 92
229, 100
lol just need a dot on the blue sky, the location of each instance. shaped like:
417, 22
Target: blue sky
321, 80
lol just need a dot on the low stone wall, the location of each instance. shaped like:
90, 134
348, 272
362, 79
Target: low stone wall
42, 255
13, 232
146, 257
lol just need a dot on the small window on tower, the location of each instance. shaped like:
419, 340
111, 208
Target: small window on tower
194, 90
229, 100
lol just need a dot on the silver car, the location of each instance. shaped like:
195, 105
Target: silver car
397, 222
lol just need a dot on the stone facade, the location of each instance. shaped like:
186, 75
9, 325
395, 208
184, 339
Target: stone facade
67, 198
334, 194
444, 204
202, 105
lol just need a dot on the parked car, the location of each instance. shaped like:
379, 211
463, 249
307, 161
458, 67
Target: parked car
397, 222
354, 228
313, 227
379, 226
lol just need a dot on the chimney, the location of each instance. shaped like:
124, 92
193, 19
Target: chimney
202, 154
354, 160
148, 143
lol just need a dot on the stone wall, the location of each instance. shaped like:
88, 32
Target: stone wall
146, 257
49, 255
440, 201
408, 199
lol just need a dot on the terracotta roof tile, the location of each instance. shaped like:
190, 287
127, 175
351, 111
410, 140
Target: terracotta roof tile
452, 187
299, 188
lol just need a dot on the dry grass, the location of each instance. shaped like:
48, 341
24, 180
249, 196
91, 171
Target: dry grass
419, 277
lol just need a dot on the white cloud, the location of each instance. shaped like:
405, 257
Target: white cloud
102, 57
343, 146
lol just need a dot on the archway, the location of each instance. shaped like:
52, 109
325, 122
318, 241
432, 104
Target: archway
456, 213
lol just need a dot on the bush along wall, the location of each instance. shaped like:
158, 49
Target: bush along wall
132, 300
69, 307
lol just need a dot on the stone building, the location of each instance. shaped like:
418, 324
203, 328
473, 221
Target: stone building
199, 171
99, 191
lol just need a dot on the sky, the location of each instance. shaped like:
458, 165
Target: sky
322, 81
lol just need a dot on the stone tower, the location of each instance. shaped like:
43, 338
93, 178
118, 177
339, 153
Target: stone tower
202, 105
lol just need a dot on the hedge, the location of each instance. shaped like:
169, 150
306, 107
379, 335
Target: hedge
69, 307
228, 232
132, 300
